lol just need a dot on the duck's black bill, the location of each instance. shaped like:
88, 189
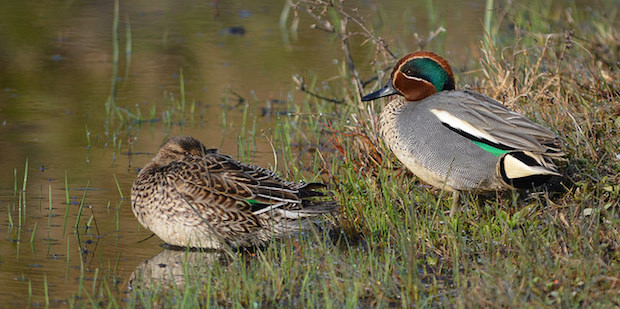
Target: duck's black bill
387, 90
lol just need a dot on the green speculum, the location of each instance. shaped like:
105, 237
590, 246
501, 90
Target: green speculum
490, 149
253, 202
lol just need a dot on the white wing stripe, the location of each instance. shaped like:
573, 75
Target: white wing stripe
462, 125
266, 209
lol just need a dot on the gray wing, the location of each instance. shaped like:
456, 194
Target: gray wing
479, 117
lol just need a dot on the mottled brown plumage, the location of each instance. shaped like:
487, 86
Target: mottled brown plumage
189, 195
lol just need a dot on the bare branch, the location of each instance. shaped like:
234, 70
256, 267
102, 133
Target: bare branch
301, 85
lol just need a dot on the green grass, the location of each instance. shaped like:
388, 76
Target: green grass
391, 242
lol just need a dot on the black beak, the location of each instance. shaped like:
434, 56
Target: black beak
387, 90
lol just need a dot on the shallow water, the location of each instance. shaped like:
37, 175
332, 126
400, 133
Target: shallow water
56, 67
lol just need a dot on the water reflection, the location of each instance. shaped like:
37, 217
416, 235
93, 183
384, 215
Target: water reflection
74, 223
172, 267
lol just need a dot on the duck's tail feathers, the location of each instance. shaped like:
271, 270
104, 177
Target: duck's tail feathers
524, 169
309, 209
293, 200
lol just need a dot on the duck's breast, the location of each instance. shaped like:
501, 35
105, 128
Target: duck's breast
431, 150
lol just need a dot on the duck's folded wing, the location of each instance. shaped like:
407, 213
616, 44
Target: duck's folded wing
212, 200
244, 186
486, 121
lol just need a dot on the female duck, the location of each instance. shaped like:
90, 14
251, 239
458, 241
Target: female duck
192, 196
460, 140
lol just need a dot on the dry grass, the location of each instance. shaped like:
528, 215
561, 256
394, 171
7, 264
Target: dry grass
391, 244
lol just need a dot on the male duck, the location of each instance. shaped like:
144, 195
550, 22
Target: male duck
192, 196
460, 140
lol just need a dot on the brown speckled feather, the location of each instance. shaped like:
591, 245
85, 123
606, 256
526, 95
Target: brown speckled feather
192, 196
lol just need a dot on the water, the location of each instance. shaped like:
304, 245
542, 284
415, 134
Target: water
55, 78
